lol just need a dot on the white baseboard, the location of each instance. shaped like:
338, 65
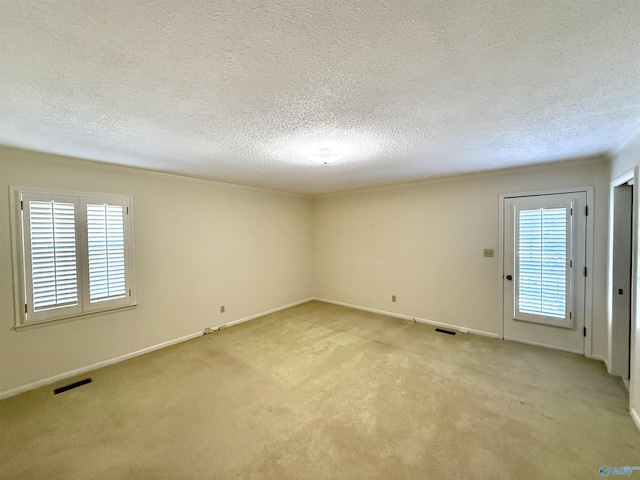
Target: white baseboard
94, 366
262, 314
411, 318
636, 417
543, 345
137, 353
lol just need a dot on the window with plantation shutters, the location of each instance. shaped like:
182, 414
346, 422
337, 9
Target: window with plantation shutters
74, 254
542, 264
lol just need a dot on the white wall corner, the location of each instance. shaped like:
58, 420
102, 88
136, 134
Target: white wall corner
636, 417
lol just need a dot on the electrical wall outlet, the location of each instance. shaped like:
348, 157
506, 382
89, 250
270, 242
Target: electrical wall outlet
488, 252
221, 308
393, 298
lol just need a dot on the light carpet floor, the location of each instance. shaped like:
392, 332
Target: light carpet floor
321, 391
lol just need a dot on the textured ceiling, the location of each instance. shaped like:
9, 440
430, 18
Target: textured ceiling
243, 91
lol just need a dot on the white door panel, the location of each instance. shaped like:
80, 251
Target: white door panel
544, 268
622, 267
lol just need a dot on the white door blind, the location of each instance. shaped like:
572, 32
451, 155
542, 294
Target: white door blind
53, 254
542, 262
105, 238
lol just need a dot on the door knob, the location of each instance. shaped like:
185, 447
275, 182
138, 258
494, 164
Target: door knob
509, 277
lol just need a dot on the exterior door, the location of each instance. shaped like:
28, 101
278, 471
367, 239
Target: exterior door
545, 269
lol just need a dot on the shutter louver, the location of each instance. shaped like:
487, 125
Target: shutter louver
53, 254
542, 262
105, 238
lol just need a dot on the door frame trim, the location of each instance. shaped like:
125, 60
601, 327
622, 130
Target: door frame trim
590, 224
626, 177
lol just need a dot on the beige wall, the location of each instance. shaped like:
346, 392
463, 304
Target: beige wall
424, 243
628, 159
199, 245
202, 244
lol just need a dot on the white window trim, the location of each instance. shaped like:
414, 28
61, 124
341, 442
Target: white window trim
18, 256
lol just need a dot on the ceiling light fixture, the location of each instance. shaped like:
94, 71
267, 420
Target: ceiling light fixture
324, 156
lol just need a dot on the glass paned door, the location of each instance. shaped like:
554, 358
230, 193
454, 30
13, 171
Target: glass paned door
544, 263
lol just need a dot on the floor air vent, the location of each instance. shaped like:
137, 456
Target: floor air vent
71, 386
448, 332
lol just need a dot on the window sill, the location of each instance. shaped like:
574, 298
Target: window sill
43, 323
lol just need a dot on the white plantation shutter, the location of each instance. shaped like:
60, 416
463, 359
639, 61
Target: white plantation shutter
53, 254
106, 244
542, 262
74, 253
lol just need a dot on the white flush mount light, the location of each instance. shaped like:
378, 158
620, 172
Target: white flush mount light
324, 156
